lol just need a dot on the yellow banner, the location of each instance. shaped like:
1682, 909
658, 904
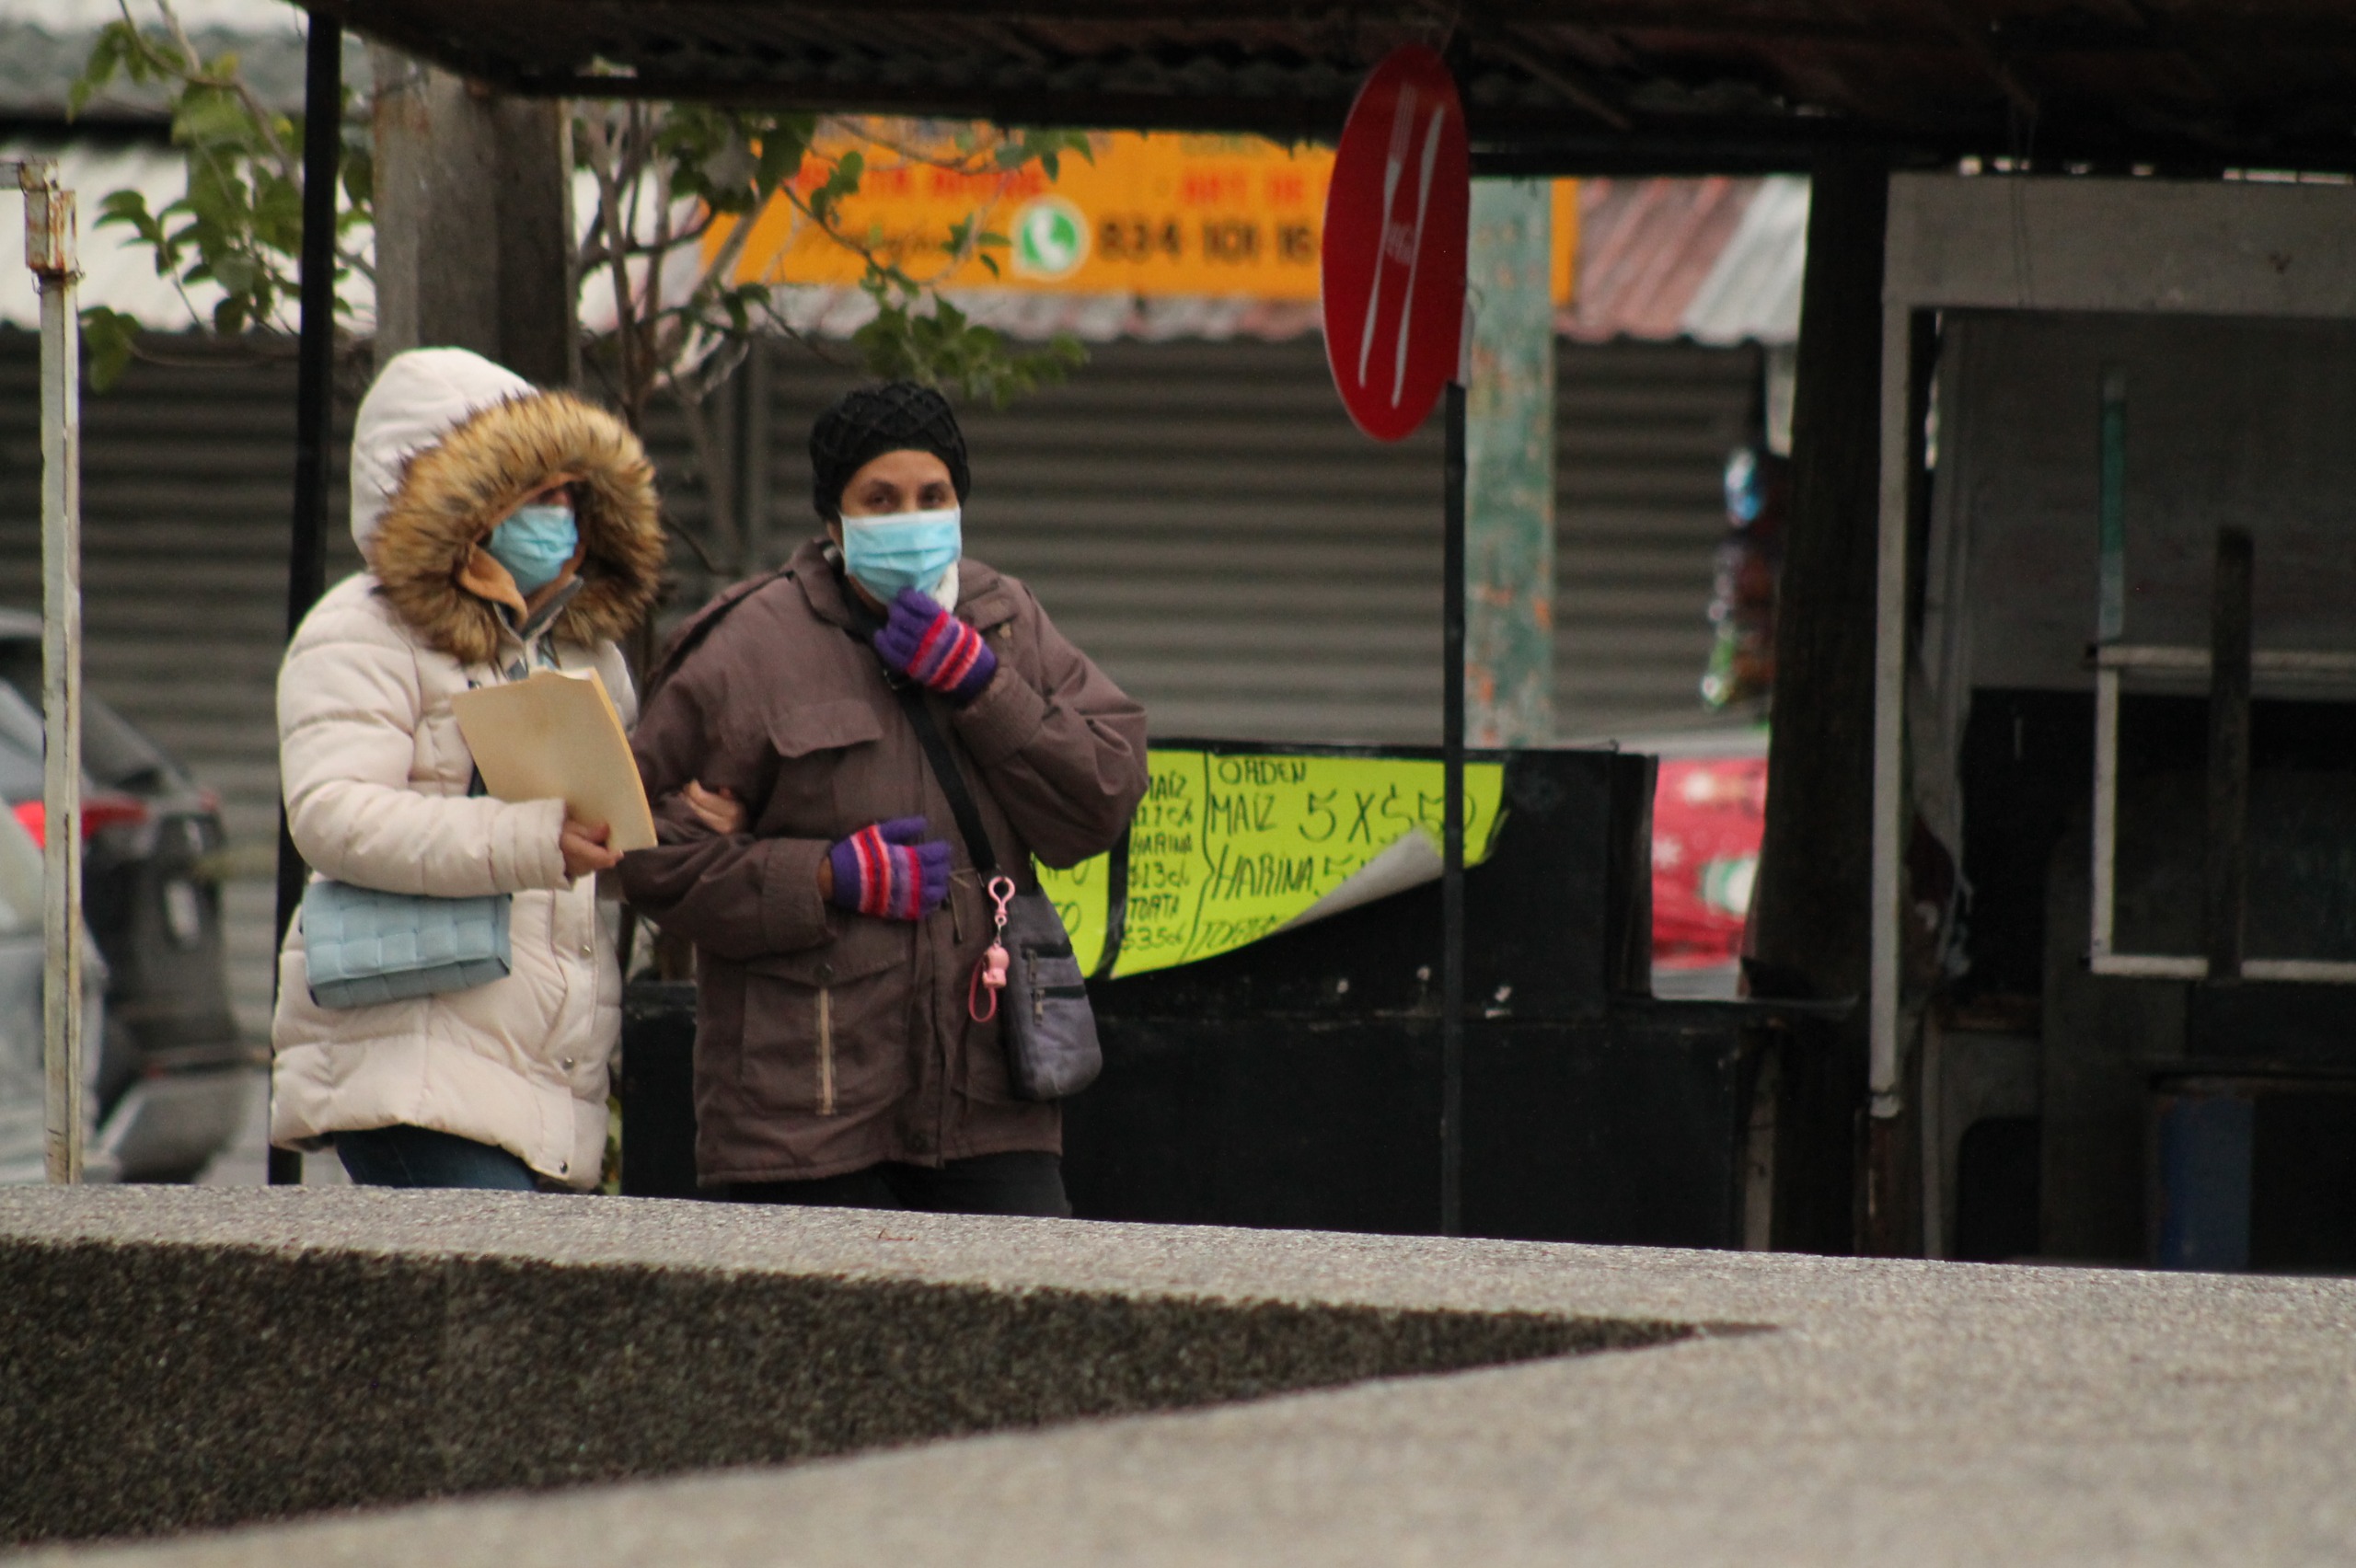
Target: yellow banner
1155, 214
1229, 847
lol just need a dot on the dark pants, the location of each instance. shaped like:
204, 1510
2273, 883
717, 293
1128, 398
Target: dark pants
420, 1157
1019, 1182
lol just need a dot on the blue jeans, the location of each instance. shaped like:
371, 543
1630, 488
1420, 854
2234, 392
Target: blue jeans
420, 1157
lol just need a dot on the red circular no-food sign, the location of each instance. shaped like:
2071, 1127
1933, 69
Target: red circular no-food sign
1396, 218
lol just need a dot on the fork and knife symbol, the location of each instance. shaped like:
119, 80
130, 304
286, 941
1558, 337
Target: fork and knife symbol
1396, 240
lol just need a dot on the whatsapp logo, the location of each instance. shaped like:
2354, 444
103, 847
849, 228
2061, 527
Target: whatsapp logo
1050, 238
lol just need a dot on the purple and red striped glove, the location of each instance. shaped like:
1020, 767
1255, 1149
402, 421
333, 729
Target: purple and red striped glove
930, 645
890, 870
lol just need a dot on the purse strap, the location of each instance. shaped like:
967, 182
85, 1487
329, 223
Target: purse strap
953, 778
700, 625
862, 630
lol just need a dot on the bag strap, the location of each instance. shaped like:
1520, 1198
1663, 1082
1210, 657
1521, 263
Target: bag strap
690, 636
862, 629
953, 779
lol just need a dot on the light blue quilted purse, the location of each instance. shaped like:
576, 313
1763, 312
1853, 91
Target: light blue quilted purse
362, 947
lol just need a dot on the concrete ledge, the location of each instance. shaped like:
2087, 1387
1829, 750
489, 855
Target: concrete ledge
172, 1358
1929, 1414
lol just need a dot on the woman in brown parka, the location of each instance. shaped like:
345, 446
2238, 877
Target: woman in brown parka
810, 854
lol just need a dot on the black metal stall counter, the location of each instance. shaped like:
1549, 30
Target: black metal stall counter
1295, 1081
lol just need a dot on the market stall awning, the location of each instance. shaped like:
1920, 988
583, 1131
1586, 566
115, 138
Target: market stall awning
1562, 86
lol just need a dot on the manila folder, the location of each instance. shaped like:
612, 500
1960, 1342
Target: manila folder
554, 735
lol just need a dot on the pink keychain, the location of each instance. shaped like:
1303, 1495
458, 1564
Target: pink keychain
989, 974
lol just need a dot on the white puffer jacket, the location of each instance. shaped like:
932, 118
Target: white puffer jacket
376, 774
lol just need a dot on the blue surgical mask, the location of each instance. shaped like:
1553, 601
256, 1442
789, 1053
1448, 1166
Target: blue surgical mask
536, 544
902, 549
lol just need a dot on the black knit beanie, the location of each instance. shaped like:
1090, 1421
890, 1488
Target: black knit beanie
861, 426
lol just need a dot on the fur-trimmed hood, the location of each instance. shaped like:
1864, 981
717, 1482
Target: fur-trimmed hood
446, 445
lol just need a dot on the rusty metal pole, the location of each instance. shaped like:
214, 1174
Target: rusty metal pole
49, 253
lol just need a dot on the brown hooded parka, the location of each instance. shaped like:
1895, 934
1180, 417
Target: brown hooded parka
828, 1041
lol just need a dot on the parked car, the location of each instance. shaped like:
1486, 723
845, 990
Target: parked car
172, 1075
1709, 813
24, 1155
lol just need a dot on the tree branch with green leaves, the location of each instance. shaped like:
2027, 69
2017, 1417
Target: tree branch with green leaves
238, 225
666, 176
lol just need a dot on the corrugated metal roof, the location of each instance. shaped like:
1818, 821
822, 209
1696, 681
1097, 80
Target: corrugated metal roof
1645, 248
1658, 87
1714, 260
1753, 293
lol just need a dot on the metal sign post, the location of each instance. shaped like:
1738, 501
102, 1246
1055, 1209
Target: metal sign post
1391, 292
48, 252
1451, 880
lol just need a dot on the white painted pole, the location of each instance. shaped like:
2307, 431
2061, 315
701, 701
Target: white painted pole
49, 252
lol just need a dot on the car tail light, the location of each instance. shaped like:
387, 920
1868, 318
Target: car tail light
99, 812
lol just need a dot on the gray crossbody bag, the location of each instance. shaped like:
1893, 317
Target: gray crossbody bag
1049, 1028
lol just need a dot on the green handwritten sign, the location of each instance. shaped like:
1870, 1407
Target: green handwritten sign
1229, 847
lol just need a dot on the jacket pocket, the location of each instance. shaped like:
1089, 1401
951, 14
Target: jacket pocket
826, 1031
824, 752
823, 726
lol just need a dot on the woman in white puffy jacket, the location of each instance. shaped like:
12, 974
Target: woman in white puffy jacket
506, 529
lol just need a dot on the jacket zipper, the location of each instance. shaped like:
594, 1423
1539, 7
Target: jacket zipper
826, 1051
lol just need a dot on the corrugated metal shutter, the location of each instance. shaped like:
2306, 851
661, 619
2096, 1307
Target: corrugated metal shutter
1205, 522
186, 489
1643, 433
1201, 517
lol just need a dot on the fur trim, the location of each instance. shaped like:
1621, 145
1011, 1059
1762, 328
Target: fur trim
452, 493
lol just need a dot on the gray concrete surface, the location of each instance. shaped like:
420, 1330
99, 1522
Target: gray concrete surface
1897, 1413
177, 1359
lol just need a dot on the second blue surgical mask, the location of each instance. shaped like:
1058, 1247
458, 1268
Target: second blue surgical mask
536, 544
902, 549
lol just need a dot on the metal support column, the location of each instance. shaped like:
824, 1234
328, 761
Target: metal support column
313, 411
2226, 867
1889, 821
1509, 463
